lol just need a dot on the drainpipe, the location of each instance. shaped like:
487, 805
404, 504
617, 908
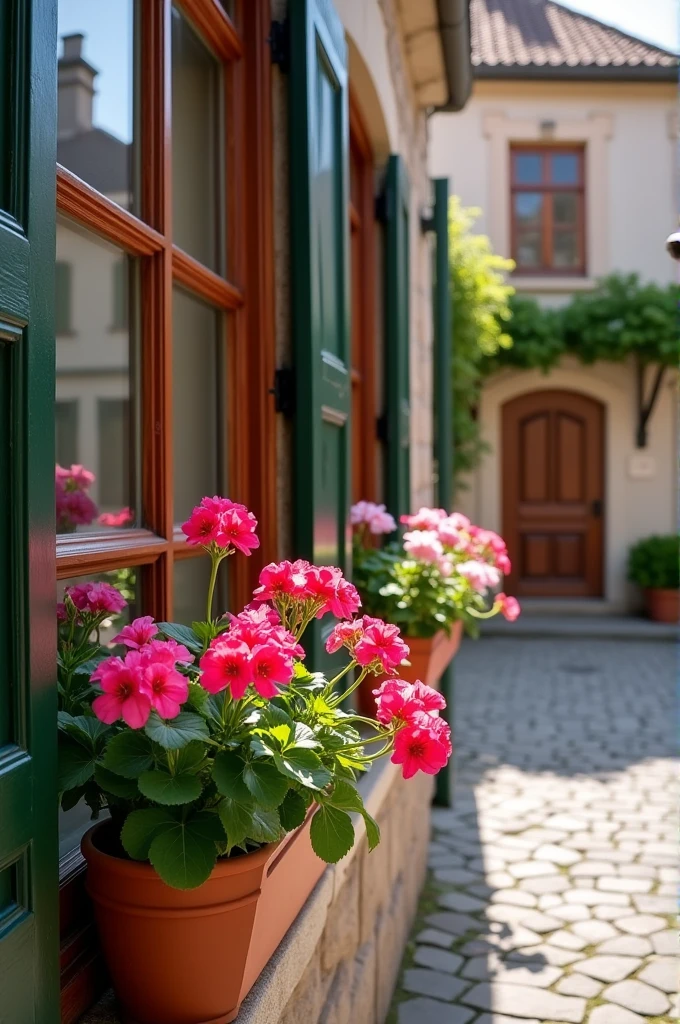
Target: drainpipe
454, 28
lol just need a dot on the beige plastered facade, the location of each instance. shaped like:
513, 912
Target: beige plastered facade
630, 136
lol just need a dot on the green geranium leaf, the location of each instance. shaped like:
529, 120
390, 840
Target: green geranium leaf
292, 811
115, 784
304, 736
275, 715
76, 764
128, 754
190, 758
175, 733
346, 798
372, 830
198, 697
86, 668
184, 852
265, 826
228, 769
71, 797
164, 788
264, 746
182, 634
303, 766
265, 783
86, 730
141, 828
236, 820
332, 834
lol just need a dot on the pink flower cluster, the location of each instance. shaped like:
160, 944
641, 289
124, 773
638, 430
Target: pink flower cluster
256, 650
147, 677
374, 644
92, 599
312, 589
423, 739
121, 518
74, 505
222, 523
436, 536
375, 517
508, 606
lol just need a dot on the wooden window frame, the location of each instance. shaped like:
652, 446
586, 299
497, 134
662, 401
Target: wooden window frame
548, 189
242, 47
363, 371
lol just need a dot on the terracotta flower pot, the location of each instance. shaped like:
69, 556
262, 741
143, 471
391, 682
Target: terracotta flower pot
429, 658
663, 605
191, 956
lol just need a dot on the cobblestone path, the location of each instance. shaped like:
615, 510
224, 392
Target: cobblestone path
552, 883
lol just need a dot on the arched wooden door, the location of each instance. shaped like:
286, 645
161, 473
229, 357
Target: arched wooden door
553, 493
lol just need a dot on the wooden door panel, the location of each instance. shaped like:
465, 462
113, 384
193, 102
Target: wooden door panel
552, 485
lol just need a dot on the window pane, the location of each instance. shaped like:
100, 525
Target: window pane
95, 373
528, 168
565, 208
75, 822
528, 249
95, 128
196, 145
564, 168
192, 576
529, 209
565, 249
197, 419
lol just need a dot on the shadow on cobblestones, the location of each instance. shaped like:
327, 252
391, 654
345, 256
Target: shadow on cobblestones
552, 878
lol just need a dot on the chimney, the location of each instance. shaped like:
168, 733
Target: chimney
76, 89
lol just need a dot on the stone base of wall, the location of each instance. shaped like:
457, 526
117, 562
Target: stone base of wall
339, 961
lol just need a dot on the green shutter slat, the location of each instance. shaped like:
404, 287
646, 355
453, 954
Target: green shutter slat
319, 145
29, 935
397, 335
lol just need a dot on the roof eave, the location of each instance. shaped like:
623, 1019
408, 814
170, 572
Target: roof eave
579, 72
454, 27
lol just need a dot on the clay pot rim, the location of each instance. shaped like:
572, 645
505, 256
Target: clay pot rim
225, 866
662, 590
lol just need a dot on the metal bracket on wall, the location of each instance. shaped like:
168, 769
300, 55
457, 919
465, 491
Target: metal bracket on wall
645, 409
284, 391
279, 44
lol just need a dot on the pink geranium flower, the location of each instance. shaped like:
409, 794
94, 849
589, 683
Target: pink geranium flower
395, 698
95, 598
509, 607
121, 518
168, 651
269, 666
122, 696
450, 533
137, 633
335, 594
424, 545
423, 745
345, 634
425, 519
382, 522
76, 507
226, 664
166, 688
479, 575
202, 526
237, 528
432, 701
503, 564
277, 580
380, 646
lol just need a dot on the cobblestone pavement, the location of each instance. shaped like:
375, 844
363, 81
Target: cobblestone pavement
552, 884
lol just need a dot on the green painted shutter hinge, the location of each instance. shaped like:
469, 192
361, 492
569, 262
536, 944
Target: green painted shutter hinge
284, 391
279, 44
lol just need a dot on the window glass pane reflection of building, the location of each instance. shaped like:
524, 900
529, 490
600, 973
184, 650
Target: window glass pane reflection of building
95, 79
95, 371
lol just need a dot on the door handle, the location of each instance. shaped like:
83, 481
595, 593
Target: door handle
596, 508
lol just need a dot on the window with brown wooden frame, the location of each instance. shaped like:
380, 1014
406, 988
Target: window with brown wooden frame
547, 209
164, 195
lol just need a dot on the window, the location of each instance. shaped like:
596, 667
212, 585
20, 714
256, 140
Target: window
547, 210
62, 303
160, 388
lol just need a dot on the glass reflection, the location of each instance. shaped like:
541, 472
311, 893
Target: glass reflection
528, 168
564, 168
94, 370
192, 576
75, 821
95, 92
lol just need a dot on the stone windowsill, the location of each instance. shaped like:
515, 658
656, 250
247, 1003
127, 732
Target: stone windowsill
526, 283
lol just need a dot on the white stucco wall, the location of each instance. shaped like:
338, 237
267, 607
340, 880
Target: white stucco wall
630, 134
634, 507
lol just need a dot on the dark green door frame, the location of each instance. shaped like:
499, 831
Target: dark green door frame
443, 412
29, 877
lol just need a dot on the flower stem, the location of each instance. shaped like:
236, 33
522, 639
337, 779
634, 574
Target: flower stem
216, 559
350, 689
336, 679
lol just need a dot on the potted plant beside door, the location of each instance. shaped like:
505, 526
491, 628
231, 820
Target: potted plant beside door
653, 563
227, 769
439, 579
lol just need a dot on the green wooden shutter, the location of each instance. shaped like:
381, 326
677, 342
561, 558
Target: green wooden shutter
319, 143
397, 335
62, 292
29, 990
